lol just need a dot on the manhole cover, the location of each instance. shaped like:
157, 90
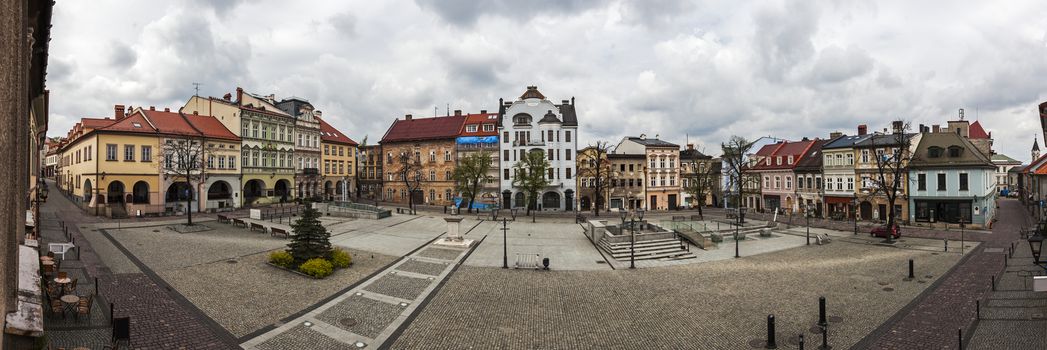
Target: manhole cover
888, 289
835, 319
348, 321
882, 283
758, 344
921, 281
601, 262
231, 261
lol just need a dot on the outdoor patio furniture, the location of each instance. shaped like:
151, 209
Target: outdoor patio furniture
121, 333
257, 226
71, 287
223, 219
239, 222
57, 308
275, 231
60, 248
84, 307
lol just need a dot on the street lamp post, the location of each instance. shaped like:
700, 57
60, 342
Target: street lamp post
854, 207
807, 214
505, 244
632, 245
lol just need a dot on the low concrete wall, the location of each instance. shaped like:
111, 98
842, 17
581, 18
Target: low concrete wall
640, 237
326, 209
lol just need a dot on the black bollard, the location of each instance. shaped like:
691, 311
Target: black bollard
946, 244
959, 338
771, 344
992, 281
911, 274
825, 338
1004, 261
978, 309
821, 312
801, 341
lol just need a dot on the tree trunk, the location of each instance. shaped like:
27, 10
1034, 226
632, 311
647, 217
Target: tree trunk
189, 205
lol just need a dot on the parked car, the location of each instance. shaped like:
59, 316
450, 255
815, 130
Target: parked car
882, 231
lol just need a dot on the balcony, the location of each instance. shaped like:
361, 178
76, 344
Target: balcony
526, 143
310, 171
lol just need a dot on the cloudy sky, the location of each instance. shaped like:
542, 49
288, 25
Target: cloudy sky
701, 70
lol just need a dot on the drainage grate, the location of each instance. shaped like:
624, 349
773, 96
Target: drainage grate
348, 321
231, 261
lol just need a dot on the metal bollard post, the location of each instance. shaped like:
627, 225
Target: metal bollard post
771, 344
821, 312
912, 275
978, 309
993, 282
1004, 261
801, 341
825, 337
959, 338
946, 244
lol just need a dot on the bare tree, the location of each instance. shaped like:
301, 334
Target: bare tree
410, 173
184, 158
531, 177
736, 164
699, 177
892, 159
599, 168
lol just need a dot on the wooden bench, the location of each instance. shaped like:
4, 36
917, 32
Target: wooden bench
679, 218
273, 231
255, 225
239, 222
223, 219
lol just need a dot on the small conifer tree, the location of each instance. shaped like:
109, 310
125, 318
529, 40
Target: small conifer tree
310, 239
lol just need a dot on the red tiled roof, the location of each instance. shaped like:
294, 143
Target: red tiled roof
95, 123
211, 127
767, 150
977, 132
170, 123
784, 150
419, 129
132, 123
479, 120
329, 134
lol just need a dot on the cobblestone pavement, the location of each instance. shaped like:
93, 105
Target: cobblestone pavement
158, 320
933, 321
713, 305
371, 312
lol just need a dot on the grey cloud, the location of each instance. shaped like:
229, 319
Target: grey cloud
344, 23
835, 64
783, 37
464, 13
220, 7
122, 56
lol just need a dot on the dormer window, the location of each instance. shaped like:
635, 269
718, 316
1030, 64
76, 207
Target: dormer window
779, 160
488, 127
136, 125
470, 128
790, 160
955, 151
934, 152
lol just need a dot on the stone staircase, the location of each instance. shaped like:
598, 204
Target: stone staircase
657, 249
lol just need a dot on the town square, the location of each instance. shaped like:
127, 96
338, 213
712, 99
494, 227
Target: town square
417, 174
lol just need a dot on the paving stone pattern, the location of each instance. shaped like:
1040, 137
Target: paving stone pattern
714, 305
402, 287
440, 253
995, 335
301, 337
369, 316
422, 267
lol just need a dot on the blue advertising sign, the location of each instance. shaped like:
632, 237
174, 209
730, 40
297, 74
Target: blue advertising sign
473, 140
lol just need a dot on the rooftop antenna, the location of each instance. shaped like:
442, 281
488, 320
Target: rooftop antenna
196, 86
448, 110
435, 110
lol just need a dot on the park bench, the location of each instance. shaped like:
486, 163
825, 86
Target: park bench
273, 231
239, 222
679, 218
255, 225
223, 219
823, 238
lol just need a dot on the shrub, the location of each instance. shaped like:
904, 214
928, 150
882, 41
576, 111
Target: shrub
281, 258
316, 267
340, 258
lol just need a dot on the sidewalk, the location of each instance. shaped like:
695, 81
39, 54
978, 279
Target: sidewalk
932, 319
160, 319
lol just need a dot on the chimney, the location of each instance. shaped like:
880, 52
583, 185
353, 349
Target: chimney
572, 100
195, 113
690, 146
166, 109
239, 95
118, 112
152, 108
483, 111
319, 113
835, 134
227, 97
407, 117
458, 113
862, 129
936, 128
897, 125
563, 102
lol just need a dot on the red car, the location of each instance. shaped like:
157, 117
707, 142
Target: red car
881, 231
